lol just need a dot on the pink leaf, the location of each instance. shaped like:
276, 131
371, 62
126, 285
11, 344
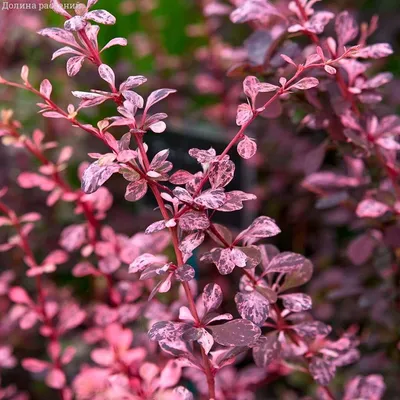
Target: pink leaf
56, 379
370, 208
185, 273
222, 259
235, 199
109, 264
239, 332
60, 35
107, 74
318, 21
170, 375
191, 242
180, 177
262, 227
370, 387
74, 65
134, 98
253, 10
212, 198
346, 28
144, 261
378, 50
310, 330
330, 70
296, 302
194, 220
19, 295
155, 227
84, 268
58, 8
251, 88
288, 60
34, 365
247, 148
244, 114
305, 84
212, 297
132, 82
101, 17
203, 156
322, 371
182, 194
115, 42
158, 127
75, 24
252, 306
286, 262
221, 173
46, 88
96, 175
157, 96
267, 87
136, 190
73, 237
266, 350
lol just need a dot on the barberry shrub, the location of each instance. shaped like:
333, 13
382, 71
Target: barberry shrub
156, 327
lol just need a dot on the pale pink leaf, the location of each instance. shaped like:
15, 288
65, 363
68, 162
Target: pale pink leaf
46, 88
211, 198
115, 42
222, 259
371, 387
322, 370
346, 28
34, 365
251, 88
59, 35
221, 173
75, 24
96, 175
157, 96
74, 65
305, 84
180, 177
101, 17
136, 190
370, 208
244, 114
58, 8
56, 378
19, 295
247, 148
212, 297
132, 82
286, 262
296, 302
107, 74
73, 237
193, 220
252, 306
378, 50
170, 375
253, 10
